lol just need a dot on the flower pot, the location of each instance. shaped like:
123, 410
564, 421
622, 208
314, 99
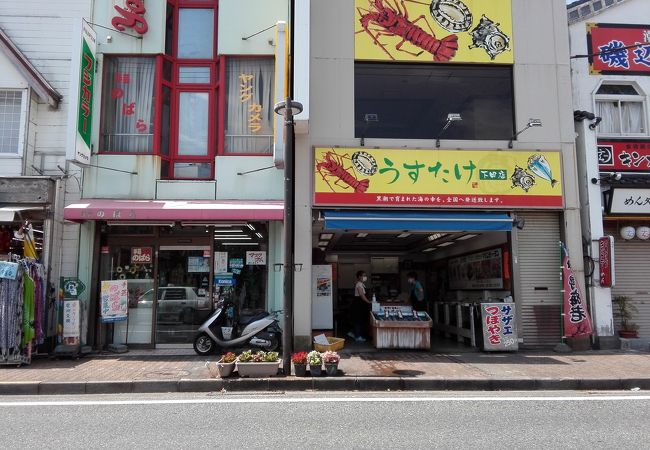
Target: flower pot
257, 369
315, 371
300, 370
331, 369
225, 369
628, 334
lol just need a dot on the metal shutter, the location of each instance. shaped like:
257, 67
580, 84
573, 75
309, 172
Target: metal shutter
633, 279
539, 299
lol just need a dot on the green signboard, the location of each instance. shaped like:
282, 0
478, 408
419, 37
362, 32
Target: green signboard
86, 87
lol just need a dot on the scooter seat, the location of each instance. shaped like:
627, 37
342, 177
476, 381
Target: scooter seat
251, 315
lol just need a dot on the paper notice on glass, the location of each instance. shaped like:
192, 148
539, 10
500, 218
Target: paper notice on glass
114, 300
220, 262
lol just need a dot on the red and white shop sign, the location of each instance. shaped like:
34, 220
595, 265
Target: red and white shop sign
141, 255
606, 261
628, 156
131, 16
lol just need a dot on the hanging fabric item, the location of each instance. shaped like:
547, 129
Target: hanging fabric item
26, 234
28, 310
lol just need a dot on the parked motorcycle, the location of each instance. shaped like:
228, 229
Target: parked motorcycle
256, 328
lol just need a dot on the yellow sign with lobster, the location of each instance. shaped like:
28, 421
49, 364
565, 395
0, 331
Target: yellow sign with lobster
462, 31
485, 179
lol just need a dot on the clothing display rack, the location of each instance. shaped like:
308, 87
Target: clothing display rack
22, 309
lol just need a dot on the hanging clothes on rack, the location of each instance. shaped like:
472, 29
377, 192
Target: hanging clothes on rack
11, 318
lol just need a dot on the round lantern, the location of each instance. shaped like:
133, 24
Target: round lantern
628, 233
643, 233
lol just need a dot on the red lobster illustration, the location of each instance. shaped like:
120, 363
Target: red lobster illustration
392, 20
332, 166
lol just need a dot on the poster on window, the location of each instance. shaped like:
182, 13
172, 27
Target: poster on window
114, 300
483, 270
442, 31
256, 258
618, 49
198, 264
220, 262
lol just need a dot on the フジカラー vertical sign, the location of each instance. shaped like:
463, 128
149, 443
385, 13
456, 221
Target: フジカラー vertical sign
81, 94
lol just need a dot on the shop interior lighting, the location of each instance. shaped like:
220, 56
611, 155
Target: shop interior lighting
325, 236
250, 226
362, 235
427, 250
531, 123
213, 224
451, 117
240, 243
259, 235
237, 230
323, 244
445, 244
435, 236
466, 236
403, 235
232, 238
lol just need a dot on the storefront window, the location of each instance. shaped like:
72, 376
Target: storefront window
193, 123
195, 33
249, 105
128, 104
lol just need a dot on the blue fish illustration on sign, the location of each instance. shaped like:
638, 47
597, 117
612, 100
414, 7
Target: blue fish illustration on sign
538, 165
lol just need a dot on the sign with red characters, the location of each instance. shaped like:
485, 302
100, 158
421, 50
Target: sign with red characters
606, 261
141, 255
618, 49
624, 156
131, 16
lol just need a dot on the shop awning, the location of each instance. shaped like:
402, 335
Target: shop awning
417, 221
173, 210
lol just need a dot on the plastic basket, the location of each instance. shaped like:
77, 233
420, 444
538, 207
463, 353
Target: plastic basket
335, 344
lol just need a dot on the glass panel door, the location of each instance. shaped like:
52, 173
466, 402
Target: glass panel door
183, 301
135, 265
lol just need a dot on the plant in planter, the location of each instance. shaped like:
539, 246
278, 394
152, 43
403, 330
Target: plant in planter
299, 360
624, 311
331, 360
260, 364
226, 364
315, 360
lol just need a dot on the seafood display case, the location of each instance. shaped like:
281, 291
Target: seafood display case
401, 327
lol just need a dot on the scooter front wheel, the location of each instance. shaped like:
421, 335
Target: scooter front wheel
204, 345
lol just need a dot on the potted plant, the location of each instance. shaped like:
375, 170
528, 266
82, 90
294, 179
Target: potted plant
258, 365
299, 360
315, 361
625, 309
226, 364
331, 360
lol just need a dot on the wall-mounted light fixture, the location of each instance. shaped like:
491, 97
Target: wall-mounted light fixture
451, 117
531, 123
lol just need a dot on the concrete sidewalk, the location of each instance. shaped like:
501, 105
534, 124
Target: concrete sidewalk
359, 369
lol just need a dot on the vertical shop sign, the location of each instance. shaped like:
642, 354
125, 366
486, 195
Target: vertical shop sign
220, 262
131, 16
81, 94
114, 300
499, 327
576, 317
254, 110
606, 260
71, 330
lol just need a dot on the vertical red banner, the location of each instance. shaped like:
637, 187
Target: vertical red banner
576, 316
606, 261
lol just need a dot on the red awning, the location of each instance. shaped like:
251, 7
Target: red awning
173, 210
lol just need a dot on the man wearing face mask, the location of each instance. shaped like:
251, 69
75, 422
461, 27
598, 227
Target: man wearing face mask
361, 308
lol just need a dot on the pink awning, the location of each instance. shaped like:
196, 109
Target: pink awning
167, 210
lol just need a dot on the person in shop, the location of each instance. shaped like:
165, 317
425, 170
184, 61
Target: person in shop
417, 292
360, 308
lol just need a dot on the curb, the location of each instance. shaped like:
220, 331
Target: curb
293, 384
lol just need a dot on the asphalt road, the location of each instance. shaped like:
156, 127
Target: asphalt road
333, 421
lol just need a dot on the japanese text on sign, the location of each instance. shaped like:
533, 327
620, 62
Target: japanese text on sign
621, 49
114, 300
499, 329
245, 96
255, 258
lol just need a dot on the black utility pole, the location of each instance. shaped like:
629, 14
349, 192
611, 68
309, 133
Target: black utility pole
288, 109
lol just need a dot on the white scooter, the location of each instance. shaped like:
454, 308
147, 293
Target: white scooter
256, 328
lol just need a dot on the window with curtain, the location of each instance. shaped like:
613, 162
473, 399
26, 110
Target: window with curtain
249, 105
622, 109
128, 104
11, 122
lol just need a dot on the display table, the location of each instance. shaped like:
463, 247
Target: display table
405, 332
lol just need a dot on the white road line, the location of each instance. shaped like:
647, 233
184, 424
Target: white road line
595, 398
